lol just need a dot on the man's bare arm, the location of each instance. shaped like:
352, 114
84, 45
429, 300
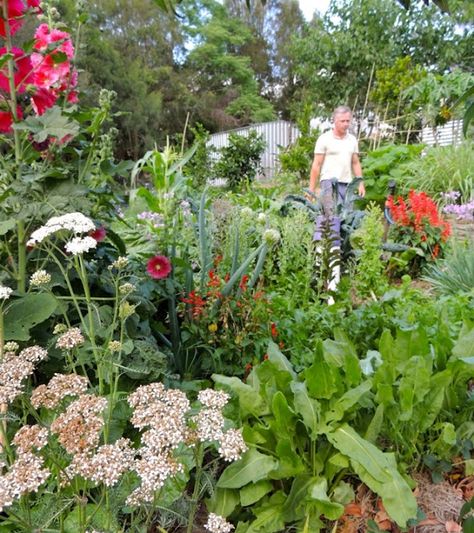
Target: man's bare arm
315, 171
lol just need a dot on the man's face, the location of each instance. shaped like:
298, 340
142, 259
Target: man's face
342, 121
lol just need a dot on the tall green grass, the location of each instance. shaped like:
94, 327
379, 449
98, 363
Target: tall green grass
455, 273
443, 169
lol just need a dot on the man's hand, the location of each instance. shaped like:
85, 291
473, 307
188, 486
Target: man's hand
310, 197
361, 189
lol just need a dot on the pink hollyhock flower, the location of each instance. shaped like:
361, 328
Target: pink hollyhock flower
42, 100
98, 234
23, 70
47, 72
158, 267
35, 5
16, 10
44, 37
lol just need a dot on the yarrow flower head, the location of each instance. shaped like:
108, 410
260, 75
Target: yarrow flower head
11, 346
120, 263
59, 387
5, 292
70, 339
158, 267
232, 445
80, 245
39, 278
126, 288
214, 399
218, 524
74, 222
114, 346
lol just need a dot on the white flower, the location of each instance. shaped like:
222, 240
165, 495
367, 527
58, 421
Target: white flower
80, 245
271, 236
5, 292
246, 211
232, 445
75, 222
218, 524
262, 218
40, 277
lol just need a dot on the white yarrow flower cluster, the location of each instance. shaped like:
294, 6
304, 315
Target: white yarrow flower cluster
39, 278
80, 245
232, 445
218, 524
70, 339
5, 292
214, 399
75, 222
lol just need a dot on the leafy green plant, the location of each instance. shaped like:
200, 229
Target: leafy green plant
454, 273
300, 430
239, 161
369, 279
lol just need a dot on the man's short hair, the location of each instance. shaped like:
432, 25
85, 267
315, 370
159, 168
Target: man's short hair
340, 110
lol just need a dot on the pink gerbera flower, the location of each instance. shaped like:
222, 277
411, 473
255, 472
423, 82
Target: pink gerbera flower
158, 267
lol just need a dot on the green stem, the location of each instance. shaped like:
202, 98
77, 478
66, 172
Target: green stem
197, 488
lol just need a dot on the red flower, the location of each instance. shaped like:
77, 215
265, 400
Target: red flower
243, 283
6, 120
158, 267
22, 70
274, 330
98, 234
16, 10
214, 280
42, 100
196, 302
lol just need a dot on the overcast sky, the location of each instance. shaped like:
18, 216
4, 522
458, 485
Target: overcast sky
310, 6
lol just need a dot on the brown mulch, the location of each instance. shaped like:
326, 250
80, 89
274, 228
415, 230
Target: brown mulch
440, 502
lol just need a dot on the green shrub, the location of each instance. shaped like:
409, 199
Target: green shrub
240, 160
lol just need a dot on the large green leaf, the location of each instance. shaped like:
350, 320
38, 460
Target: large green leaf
284, 418
309, 409
27, 312
414, 385
269, 516
252, 467
278, 359
290, 462
464, 346
253, 492
378, 471
321, 380
223, 501
250, 400
51, 124
433, 401
346, 401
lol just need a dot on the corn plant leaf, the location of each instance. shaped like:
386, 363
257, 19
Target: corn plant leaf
309, 409
378, 471
252, 467
253, 492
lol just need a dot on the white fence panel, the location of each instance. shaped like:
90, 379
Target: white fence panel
277, 134
446, 135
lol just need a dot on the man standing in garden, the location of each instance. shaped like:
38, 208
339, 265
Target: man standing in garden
336, 157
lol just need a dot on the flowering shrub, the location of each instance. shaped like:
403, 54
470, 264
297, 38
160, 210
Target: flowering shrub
234, 329
418, 224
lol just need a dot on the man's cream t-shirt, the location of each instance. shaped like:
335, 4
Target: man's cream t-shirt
337, 156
